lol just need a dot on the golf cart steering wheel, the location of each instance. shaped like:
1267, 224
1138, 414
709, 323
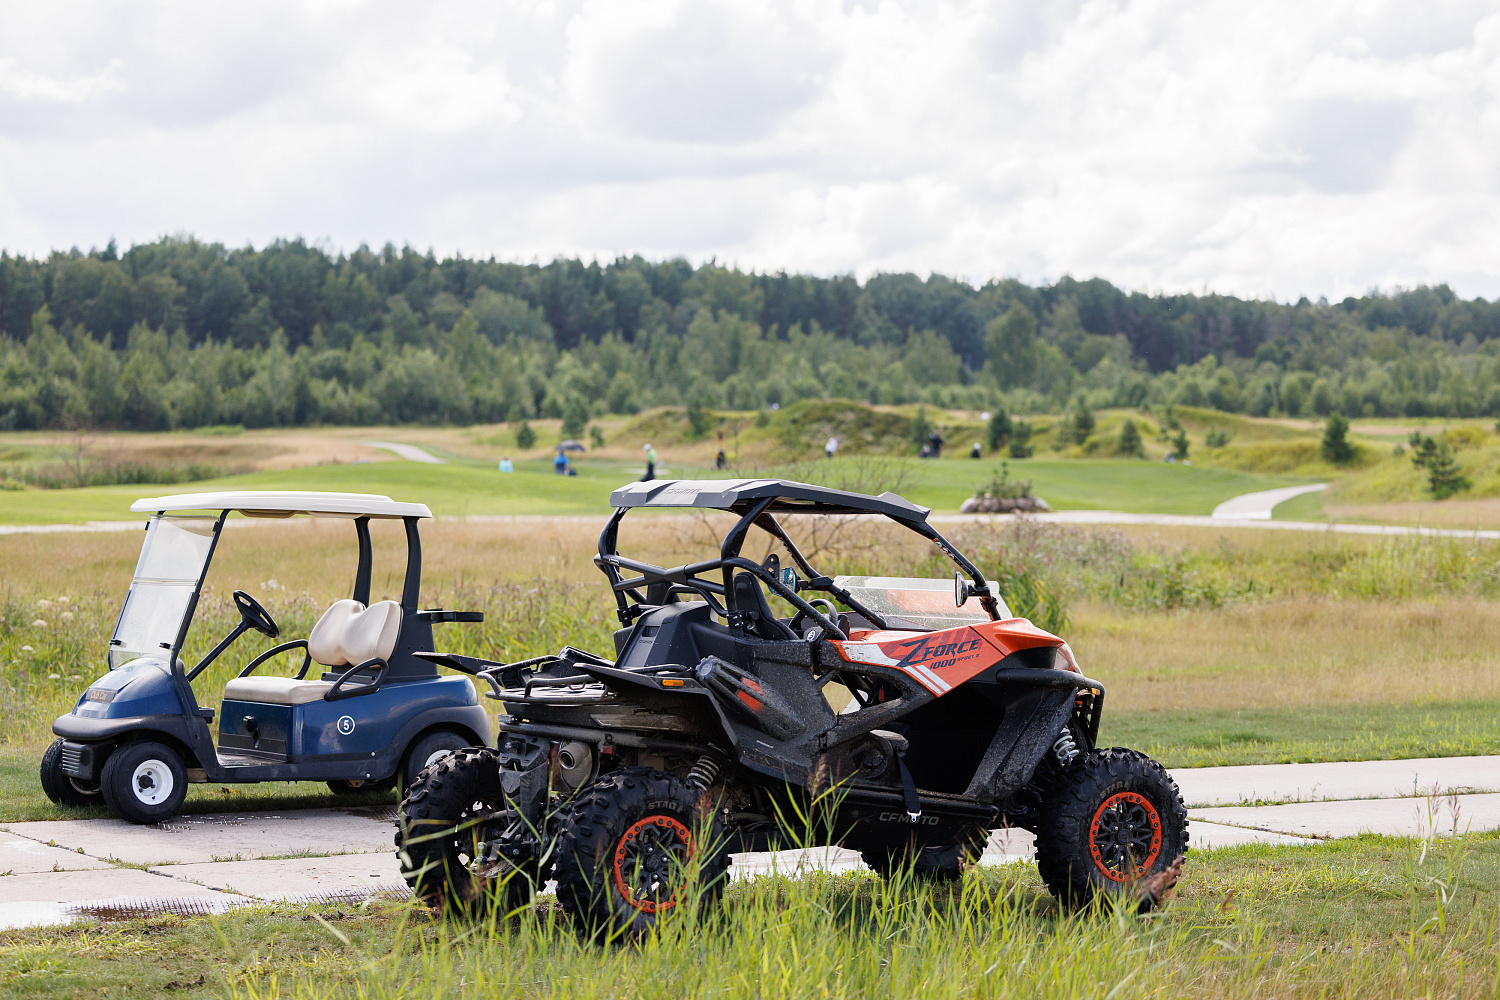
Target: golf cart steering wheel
255, 616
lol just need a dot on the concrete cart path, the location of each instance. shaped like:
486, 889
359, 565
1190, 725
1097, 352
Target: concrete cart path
208, 863
1361, 779
1258, 506
410, 452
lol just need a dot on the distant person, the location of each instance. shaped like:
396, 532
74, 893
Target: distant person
721, 460
935, 444
832, 447
974, 452
505, 465
562, 466
650, 463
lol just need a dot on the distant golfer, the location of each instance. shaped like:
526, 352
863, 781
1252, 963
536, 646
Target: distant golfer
832, 447
505, 465
650, 463
974, 452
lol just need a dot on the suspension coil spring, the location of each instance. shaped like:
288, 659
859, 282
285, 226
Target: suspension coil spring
1066, 749
703, 773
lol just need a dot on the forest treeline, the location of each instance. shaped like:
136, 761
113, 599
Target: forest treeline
181, 333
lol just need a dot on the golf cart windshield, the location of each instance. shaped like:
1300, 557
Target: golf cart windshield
916, 603
166, 581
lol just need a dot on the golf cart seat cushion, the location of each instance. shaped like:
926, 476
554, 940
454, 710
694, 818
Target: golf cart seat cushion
275, 690
350, 633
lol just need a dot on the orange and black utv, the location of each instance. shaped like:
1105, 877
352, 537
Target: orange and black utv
905, 719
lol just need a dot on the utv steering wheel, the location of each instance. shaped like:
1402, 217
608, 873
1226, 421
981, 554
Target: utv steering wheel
255, 616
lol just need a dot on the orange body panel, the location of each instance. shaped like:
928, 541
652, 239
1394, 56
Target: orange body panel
941, 661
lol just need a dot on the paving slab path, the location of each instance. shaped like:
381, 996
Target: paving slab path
60, 870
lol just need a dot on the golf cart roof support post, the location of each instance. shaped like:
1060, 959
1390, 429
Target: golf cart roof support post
192, 608
410, 591
362, 572
732, 544
608, 540
981, 588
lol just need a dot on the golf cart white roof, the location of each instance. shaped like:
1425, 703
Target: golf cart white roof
285, 503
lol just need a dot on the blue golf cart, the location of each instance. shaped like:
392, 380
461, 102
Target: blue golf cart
376, 714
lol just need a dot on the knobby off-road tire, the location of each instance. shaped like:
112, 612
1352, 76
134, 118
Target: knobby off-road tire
627, 849
440, 825
61, 788
1113, 818
941, 863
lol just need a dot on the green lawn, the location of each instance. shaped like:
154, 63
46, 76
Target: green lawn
1212, 737
472, 488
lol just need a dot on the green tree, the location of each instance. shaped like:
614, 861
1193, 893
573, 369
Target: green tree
525, 436
1083, 423
1180, 445
1336, 446
1444, 475
575, 417
921, 427
1010, 340
1020, 440
596, 436
999, 428
1130, 440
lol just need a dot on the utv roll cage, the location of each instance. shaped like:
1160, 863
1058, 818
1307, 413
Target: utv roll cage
757, 501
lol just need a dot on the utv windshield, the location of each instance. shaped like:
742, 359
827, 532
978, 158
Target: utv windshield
166, 580
914, 603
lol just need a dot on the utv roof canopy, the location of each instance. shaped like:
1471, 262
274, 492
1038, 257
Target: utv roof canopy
740, 495
285, 503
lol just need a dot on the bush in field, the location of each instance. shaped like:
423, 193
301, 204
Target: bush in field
1336, 447
1130, 440
999, 428
525, 436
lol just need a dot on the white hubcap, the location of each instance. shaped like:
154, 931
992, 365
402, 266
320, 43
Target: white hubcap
152, 782
434, 758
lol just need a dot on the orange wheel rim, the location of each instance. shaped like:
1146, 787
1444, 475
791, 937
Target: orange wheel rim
648, 859
1125, 836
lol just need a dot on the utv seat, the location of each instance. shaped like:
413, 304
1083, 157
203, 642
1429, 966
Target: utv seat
750, 601
347, 634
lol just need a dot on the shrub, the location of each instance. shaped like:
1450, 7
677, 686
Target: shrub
525, 436
999, 428
1336, 446
1020, 440
1130, 441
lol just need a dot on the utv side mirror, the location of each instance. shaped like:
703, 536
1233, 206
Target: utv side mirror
962, 590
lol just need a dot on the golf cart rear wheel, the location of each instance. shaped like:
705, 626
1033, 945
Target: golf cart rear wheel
634, 847
144, 782
427, 751
447, 814
1111, 820
64, 789
939, 863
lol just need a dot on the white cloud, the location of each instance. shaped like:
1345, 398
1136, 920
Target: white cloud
1276, 148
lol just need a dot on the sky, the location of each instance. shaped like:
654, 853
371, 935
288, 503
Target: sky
1268, 149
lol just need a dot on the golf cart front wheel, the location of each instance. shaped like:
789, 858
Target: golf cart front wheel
144, 782
1112, 825
63, 788
636, 846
